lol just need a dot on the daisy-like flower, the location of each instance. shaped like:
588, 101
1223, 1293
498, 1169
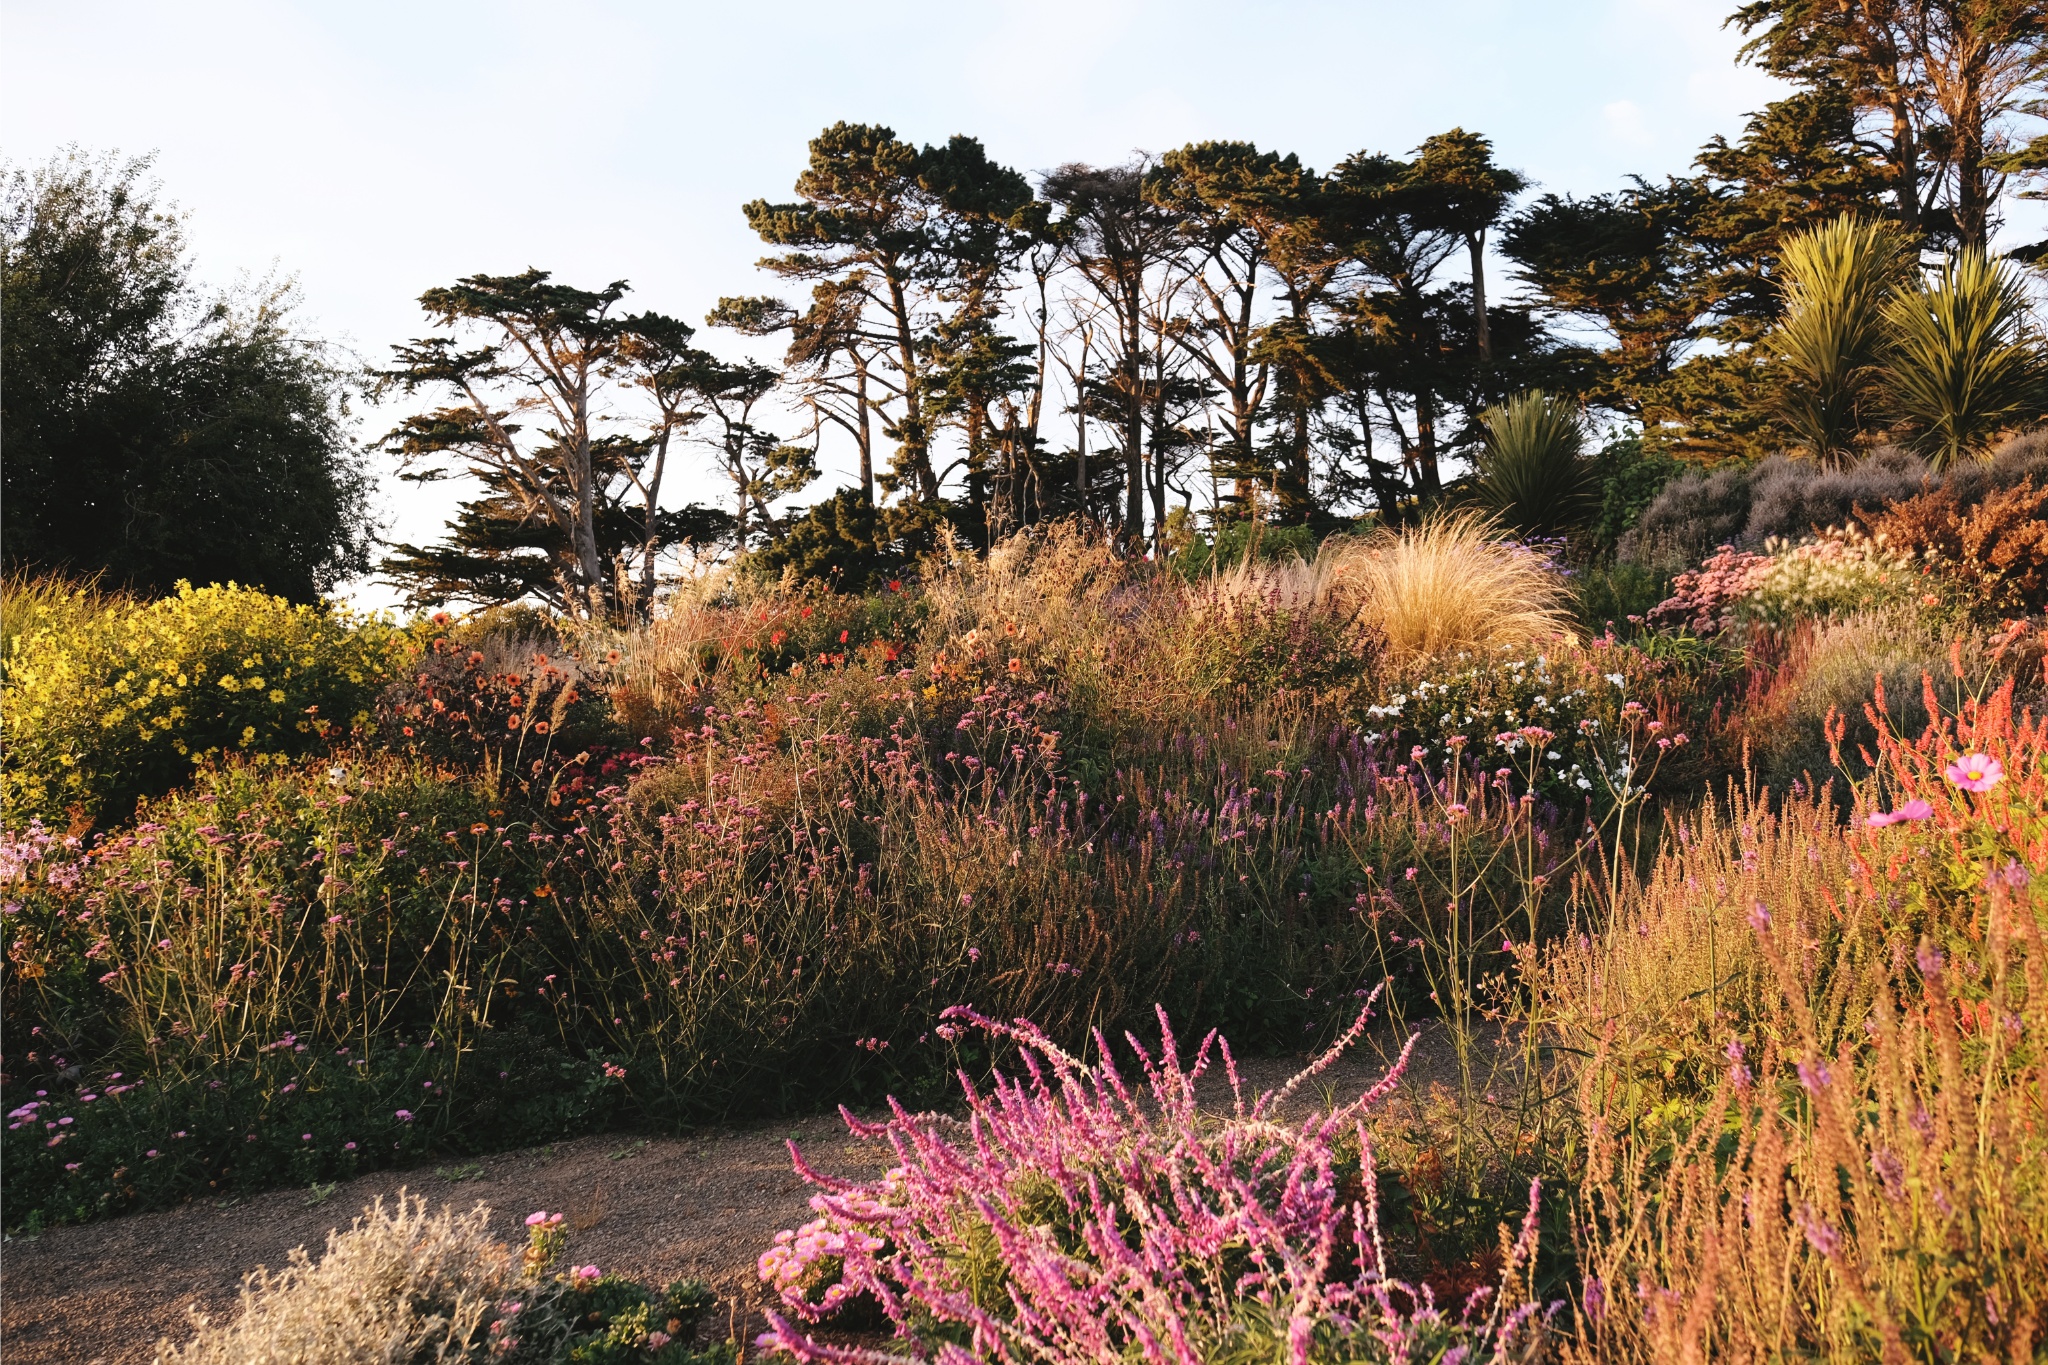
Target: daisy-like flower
1976, 772
1912, 810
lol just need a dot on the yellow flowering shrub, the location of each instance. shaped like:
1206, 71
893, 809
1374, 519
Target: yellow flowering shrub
103, 706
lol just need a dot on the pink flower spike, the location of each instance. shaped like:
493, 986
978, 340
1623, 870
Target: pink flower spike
1976, 772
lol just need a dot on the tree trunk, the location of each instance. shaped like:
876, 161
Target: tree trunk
916, 449
588, 563
1476, 242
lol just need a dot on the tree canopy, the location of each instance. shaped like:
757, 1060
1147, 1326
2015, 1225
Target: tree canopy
155, 432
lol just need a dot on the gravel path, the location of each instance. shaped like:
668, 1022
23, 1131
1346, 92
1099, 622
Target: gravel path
658, 1209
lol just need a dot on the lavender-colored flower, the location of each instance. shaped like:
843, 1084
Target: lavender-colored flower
1890, 1173
1820, 1235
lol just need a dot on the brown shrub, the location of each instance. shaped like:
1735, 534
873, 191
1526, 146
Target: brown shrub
1997, 550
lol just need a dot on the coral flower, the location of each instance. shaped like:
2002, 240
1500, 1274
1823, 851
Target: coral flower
1976, 772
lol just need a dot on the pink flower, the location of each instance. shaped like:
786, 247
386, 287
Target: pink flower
534, 1220
405, 1116
657, 1340
1976, 772
1912, 810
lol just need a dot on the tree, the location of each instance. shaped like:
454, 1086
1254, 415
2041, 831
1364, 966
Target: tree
1627, 264
1218, 194
1962, 363
1941, 83
558, 354
1401, 348
1468, 194
888, 225
754, 460
153, 434
494, 553
1120, 241
1837, 280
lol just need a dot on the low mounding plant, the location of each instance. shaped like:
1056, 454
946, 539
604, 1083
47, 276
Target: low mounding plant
104, 707
1833, 574
1533, 473
1448, 585
1077, 1218
403, 1284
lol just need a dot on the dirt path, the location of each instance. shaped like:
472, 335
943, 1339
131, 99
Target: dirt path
658, 1209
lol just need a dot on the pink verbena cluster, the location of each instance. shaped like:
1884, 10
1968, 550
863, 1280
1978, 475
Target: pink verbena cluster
1075, 1218
1704, 599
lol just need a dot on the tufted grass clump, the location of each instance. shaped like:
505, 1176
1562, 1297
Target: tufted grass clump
1450, 585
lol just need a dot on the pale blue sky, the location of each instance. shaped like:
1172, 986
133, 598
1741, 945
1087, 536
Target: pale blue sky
374, 149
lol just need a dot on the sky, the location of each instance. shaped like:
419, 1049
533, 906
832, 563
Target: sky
372, 150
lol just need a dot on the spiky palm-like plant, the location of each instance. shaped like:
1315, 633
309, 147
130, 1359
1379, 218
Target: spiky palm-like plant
1962, 363
1533, 473
1828, 349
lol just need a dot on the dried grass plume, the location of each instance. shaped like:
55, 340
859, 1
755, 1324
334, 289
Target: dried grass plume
1451, 584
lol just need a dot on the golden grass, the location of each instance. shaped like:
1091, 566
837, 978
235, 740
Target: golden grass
1450, 585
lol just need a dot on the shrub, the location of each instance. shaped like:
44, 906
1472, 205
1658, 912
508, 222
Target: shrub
1630, 479
1780, 498
1690, 516
107, 706
1994, 553
1792, 499
1449, 585
1533, 474
1079, 1218
1836, 278
1962, 362
403, 1284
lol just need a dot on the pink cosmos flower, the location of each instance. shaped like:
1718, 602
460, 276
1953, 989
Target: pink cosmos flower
1976, 772
1912, 810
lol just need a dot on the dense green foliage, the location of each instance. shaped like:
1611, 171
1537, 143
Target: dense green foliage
154, 434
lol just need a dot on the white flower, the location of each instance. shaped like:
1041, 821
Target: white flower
1617, 679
